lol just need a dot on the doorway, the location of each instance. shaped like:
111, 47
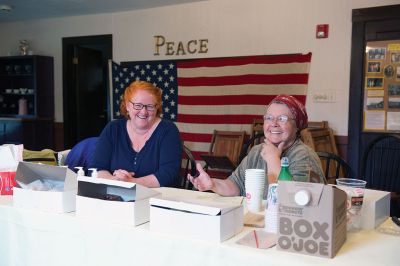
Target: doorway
85, 86
369, 25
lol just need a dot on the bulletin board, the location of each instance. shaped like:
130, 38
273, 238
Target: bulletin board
382, 86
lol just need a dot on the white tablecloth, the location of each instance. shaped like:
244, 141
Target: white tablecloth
30, 238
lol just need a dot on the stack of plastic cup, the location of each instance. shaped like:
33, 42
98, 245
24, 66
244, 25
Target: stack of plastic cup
355, 197
271, 209
254, 183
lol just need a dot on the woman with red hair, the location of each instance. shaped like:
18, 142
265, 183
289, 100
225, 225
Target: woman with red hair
285, 117
141, 148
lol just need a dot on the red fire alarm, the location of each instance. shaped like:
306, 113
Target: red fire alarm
322, 31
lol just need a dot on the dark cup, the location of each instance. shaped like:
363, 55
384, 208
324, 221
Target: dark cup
17, 69
28, 69
8, 69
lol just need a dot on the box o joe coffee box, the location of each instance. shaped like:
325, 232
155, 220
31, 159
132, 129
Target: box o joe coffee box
311, 218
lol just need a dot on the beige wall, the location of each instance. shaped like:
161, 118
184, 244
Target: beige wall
233, 27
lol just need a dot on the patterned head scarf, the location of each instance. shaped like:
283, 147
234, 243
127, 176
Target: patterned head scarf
296, 108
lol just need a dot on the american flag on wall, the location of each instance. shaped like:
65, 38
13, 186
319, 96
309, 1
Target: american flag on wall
201, 95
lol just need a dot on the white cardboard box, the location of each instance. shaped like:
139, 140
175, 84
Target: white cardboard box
51, 201
200, 219
312, 218
91, 204
375, 208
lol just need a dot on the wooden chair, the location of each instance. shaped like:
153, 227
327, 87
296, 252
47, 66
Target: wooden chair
256, 139
188, 166
257, 127
319, 139
318, 124
224, 151
319, 136
334, 167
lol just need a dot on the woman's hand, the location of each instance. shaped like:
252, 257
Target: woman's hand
270, 152
203, 181
272, 156
123, 175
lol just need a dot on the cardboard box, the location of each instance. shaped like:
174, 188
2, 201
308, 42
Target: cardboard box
375, 208
51, 201
200, 219
312, 218
94, 201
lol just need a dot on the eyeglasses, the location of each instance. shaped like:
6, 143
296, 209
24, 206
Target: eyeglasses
139, 106
281, 119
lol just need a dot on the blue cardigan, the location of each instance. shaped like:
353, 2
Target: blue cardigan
161, 155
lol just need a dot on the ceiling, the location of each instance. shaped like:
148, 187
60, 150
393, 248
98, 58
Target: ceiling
38, 9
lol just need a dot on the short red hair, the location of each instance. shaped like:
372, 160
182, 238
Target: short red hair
133, 88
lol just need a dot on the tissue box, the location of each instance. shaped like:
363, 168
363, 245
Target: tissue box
97, 199
212, 221
311, 218
51, 201
375, 208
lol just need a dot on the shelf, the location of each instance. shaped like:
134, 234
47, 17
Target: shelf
30, 78
16, 75
19, 94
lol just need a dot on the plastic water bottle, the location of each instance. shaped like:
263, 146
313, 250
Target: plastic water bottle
285, 174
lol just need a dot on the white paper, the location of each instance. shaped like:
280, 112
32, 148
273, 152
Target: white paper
7, 159
374, 120
393, 121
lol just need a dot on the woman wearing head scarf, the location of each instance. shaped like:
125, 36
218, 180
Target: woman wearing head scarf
284, 119
141, 147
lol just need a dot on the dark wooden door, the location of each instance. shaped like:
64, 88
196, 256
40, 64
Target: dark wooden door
369, 24
85, 91
91, 96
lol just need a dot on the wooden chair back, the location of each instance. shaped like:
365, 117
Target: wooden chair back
257, 127
319, 139
334, 167
188, 166
227, 143
319, 136
380, 167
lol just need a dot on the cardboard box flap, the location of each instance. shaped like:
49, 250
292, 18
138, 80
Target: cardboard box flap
29, 172
106, 181
193, 205
314, 189
137, 192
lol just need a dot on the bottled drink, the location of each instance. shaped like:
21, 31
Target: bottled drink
285, 174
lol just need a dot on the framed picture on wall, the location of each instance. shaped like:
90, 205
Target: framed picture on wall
374, 83
377, 53
394, 89
374, 67
388, 71
375, 103
395, 57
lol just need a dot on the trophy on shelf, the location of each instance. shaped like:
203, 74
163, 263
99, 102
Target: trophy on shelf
23, 47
